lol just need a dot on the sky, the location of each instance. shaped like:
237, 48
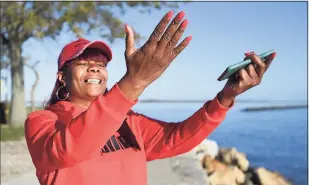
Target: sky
221, 33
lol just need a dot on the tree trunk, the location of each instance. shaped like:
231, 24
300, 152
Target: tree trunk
18, 111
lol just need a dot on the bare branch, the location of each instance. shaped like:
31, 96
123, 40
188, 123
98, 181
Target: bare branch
36, 63
32, 66
37, 78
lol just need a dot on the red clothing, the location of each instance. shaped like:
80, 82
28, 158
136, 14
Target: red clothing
108, 143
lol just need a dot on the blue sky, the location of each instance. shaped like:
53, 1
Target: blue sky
222, 32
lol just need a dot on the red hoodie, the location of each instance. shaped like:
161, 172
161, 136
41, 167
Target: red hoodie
108, 144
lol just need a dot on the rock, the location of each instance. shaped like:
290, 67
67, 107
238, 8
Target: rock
227, 166
242, 161
231, 156
220, 173
267, 177
251, 174
207, 147
248, 180
210, 165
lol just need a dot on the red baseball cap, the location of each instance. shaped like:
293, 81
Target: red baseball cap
77, 47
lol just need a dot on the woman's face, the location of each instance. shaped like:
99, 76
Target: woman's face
85, 79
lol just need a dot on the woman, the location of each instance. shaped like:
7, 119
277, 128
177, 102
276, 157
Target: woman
90, 136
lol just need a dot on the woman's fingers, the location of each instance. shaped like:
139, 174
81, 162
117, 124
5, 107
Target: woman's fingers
269, 60
177, 35
260, 66
244, 76
176, 51
247, 78
158, 31
165, 42
147, 63
256, 80
168, 34
130, 48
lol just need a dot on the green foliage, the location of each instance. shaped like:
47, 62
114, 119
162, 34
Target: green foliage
23, 20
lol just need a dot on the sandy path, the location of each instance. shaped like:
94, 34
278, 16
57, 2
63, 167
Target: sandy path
17, 168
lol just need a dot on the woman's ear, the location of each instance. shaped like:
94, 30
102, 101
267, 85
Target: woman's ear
60, 78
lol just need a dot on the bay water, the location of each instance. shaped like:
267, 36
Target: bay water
274, 139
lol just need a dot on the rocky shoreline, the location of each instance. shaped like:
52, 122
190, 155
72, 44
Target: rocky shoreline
206, 164
227, 166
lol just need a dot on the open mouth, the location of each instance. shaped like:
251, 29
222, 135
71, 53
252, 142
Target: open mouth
92, 81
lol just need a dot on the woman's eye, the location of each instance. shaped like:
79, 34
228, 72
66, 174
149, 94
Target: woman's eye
86, 64
82, 64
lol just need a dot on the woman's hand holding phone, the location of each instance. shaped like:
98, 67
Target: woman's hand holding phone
245, 78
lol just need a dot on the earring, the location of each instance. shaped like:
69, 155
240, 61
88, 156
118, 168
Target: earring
57, 93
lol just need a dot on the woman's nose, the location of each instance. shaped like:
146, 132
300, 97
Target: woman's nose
93, 68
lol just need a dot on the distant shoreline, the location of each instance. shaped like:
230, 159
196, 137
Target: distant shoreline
262, 108
199, 101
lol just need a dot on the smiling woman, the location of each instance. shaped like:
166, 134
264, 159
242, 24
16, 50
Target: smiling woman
87, 135
84, 77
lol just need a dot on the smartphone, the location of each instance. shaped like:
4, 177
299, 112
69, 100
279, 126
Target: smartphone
231, 70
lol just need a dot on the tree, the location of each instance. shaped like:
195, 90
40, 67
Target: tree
23, 20
4, 66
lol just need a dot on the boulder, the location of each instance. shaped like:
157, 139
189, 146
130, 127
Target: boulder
267, 177
251, 177
222, 174
227, 166
231, 156
207, 147
248, 181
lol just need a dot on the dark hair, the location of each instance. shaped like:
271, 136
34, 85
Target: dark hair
89, 54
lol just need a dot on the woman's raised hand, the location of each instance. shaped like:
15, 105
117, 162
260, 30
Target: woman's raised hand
146, 64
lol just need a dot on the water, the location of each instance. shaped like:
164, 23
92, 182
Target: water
276, 140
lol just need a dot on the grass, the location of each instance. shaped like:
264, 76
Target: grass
11, 133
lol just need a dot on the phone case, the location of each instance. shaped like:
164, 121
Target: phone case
229, 71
